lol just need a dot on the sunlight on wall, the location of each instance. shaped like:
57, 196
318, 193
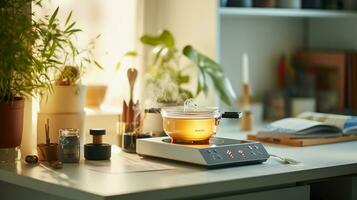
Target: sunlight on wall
115, 21
188, 26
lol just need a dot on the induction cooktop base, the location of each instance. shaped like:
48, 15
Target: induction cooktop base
220, 152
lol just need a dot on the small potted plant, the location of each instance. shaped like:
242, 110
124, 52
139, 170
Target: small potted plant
64, 104
24, 64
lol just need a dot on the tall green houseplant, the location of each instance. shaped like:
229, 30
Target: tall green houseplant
24, 64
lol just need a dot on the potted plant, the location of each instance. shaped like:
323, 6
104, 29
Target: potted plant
24, 64
63, 105
166, 77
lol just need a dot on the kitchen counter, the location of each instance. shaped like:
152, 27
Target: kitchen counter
79, 181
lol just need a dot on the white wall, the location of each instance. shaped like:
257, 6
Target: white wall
337, 34
191, 21
265, 39
116, 22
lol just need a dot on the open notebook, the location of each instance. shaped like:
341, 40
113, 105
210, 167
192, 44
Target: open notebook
311, 125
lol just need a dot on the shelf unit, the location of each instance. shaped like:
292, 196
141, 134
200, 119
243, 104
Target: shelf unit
267, 33
285, 12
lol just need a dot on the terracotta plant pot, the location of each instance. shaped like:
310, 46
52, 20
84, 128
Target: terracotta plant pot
95, 95
11, 123
59, 121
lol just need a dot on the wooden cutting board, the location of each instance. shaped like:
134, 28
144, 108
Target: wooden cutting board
303, 142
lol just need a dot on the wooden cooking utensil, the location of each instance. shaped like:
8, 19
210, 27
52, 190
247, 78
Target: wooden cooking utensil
132, 74
128, 108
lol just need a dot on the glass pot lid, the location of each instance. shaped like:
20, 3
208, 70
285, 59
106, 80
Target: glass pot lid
189, 113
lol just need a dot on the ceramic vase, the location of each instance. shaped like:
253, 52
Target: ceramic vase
63, 108
95, 95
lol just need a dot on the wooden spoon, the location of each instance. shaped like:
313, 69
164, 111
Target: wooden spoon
132, 75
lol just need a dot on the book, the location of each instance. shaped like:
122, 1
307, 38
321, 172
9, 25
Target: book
311, 125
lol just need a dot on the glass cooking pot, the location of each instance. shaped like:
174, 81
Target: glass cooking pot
195, 125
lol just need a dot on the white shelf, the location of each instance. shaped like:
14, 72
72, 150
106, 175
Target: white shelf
285, 12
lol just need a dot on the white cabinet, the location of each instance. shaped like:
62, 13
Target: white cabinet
291, 193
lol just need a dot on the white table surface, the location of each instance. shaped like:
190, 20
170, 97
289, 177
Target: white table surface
77, 181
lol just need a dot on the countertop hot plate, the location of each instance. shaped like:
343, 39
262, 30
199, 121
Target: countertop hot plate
220, 152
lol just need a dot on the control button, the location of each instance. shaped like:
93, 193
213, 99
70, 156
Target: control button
253, 153
219, 156
230, 154
241, 152
256, 146
215, 151
250, 147
209, 151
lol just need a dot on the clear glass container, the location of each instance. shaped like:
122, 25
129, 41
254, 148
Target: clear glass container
129, 141
10, 155
195, 125
69, 145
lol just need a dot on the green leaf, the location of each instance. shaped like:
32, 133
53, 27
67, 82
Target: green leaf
117, 66
223, 87
55, 61
68, 18
212, 69
72, 31
185, 94
52, 50
156, 55
53, 17
200, 59
201, 83
130, 54
164, 38
98, 65
69, 27
181, 79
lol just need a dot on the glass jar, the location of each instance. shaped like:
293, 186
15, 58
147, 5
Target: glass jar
129, 141
152, 122
69, 145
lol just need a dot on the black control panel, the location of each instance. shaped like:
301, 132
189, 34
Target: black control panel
234, 154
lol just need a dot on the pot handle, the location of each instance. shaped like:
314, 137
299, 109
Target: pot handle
232, 115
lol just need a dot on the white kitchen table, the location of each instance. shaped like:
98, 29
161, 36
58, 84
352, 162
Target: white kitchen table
331, 164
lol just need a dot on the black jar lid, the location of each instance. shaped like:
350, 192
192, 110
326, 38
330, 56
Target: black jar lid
97, 131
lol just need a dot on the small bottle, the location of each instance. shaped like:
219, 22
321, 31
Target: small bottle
69, 144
